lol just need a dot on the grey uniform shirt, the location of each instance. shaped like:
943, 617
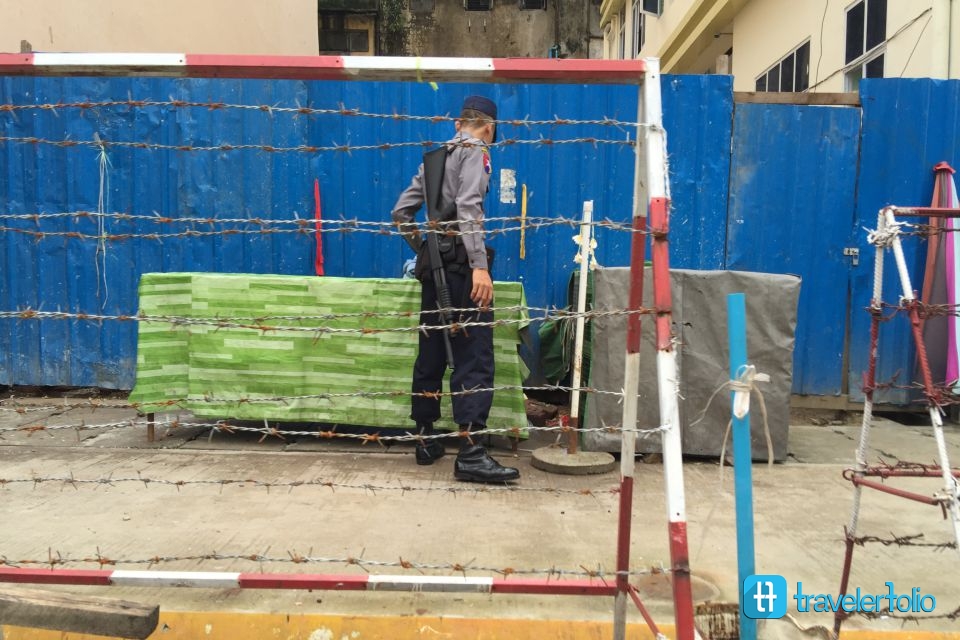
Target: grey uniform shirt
465, 180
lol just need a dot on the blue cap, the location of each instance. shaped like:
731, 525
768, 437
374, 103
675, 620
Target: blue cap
481, 104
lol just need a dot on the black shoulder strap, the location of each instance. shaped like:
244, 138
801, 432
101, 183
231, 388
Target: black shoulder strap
434, 164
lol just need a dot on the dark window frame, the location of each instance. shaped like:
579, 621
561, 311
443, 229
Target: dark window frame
866, 30
532, 5
795, 64
477, 5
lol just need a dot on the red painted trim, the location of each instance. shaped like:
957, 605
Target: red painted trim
932, 212
638, 249
302, 581
14, 64
56, 576
575, 70
624, 520
272, 67
553, 587
660, 254
682, 589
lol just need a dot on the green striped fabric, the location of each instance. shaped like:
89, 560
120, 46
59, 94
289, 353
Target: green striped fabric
221, 371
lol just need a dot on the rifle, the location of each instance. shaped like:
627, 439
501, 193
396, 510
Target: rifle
434, 163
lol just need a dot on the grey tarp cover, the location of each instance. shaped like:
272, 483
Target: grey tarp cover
700, 325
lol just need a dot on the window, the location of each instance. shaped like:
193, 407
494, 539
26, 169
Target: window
639, 30
477, 5
866, 34
866, 28
792, 73
527, 5
622, 39
422, 6
654, 7
335, 37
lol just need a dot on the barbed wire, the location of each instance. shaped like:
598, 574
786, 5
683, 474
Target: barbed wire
223, 426
95, 404
925, 310
262, 324
905, 541
102, 144
872, 615
56, 559
302, 111
332, 225
109, 481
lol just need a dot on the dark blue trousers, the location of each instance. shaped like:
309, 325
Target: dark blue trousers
472, 357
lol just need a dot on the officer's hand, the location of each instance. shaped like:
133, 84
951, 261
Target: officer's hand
482, 292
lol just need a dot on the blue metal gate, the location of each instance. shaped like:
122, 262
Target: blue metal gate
792, 188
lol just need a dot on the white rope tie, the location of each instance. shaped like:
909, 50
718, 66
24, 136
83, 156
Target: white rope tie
742, 387
886, 236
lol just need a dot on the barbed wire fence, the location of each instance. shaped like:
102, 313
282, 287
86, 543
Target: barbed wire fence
90, 226
170, 228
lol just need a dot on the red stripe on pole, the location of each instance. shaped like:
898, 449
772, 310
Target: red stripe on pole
660, 254
273, 67
16, 64
56, 576
623, 533
303, 581
553, 587
638, 250
575, 70
682, 589
318, 260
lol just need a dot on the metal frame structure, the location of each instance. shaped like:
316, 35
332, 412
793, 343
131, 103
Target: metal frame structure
651, 198
887, 235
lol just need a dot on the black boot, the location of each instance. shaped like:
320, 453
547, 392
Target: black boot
428, 451
475, 465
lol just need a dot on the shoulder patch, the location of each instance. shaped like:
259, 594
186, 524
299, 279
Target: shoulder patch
487, 165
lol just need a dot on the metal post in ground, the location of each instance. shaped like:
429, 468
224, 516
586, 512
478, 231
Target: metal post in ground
586, 237
869, 384
571, 460
742, 455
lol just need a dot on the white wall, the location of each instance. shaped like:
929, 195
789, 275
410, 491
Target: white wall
767, 30
282, 27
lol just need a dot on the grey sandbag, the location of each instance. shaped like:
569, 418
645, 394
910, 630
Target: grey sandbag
700, 329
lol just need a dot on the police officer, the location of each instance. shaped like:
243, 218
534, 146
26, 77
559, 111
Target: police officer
466, 265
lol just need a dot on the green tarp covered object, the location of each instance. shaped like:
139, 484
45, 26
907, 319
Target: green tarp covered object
217, 369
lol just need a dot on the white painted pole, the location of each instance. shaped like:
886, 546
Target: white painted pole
586, 236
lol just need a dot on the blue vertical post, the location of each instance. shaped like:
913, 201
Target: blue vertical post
742, 457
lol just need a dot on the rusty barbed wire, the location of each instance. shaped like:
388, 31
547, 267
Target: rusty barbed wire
904, 541
263, 323
173, 403
299, 110
872, 615
349, 223
102, 144
301, 230
224, 426
56, 558
926, 230
110, 481
925, 310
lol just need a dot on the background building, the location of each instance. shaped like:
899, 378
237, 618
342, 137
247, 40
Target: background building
783, 45
483, 28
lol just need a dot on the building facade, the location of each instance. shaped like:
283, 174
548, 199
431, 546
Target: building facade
482, 28
789, 46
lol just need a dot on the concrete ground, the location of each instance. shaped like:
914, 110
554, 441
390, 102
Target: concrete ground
369, 508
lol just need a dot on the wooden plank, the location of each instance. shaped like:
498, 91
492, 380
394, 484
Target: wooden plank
821, 99
38, 609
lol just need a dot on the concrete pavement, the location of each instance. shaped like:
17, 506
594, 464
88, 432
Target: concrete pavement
353, 508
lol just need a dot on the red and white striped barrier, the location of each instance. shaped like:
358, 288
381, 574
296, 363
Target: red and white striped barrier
188, 65
317, 582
